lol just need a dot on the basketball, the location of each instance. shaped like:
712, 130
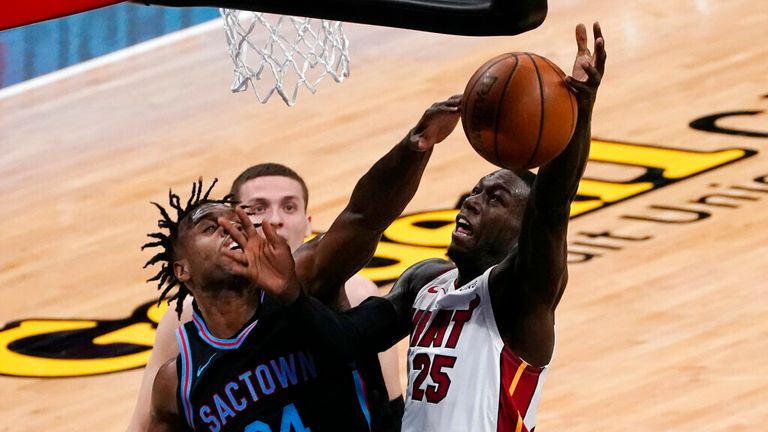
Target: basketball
517, 111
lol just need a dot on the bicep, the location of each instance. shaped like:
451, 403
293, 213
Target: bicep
164, 414
543, 247
365, 329
401, 297
544, 251
373, 326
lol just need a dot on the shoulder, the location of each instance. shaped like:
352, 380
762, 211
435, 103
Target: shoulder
165, 346
167, 377
424, 272
508, 267
187, 310
408, 286
171, 319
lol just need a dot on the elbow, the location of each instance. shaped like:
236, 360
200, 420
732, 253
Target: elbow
372, 220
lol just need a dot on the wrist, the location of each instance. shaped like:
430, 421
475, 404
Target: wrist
290, 293
408, 141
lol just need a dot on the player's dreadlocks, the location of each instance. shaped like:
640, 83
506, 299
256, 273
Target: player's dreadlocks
165, 277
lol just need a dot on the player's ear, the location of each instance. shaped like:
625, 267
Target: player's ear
181, 270
308, 230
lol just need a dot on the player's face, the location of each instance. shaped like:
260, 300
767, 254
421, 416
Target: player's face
203, 240
281, 201
489, 221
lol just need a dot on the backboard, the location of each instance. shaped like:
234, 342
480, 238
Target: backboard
460, 17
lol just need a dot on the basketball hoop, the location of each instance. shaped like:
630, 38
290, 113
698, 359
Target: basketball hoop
285, 53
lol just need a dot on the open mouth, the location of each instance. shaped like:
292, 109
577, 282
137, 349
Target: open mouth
231, 244
463, 227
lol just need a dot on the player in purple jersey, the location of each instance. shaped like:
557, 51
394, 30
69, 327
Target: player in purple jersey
276, 192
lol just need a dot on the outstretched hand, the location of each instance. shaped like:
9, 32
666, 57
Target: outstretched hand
267, 262
588, 68
436, 124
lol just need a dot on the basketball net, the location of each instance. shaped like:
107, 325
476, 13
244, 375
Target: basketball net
279, 53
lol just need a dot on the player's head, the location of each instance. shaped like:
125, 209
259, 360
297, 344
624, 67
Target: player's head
277, 193
488, 224
191, 249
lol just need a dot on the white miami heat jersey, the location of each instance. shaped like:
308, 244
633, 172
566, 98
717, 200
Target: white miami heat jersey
461, 376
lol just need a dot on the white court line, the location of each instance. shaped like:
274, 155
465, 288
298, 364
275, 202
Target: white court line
112, 57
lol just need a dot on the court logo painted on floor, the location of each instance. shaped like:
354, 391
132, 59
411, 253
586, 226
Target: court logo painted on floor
77, 347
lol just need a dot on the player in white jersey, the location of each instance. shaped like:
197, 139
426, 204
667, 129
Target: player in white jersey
462, 375
482, 324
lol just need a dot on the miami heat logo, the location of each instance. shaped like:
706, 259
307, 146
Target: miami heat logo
430, 330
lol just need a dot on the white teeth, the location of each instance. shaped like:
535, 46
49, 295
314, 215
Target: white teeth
463, 227
234, 246
462, 232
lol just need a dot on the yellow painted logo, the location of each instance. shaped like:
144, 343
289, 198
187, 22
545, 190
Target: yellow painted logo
419, 236
66, 348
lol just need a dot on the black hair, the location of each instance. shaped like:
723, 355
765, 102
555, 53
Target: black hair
166, 279
528, 177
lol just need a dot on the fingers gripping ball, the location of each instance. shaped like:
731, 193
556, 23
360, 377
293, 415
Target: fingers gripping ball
517, 111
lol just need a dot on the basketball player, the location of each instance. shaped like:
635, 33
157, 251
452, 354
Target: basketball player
228, 306
278, 193
482, 325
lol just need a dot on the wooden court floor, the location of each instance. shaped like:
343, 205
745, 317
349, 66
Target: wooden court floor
663, 325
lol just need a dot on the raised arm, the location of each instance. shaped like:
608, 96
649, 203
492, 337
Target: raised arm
377, 200
538, 266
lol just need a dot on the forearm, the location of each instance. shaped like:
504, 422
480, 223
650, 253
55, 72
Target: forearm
376, 325
377, 200
558, 181
381, 195
368, 328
